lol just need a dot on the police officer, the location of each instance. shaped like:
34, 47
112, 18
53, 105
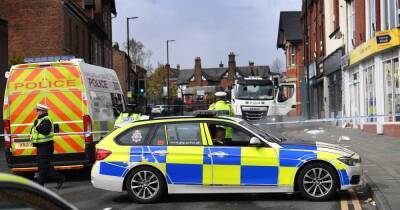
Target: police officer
223, 108
126, 117
42, 134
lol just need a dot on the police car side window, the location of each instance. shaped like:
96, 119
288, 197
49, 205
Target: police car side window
134, 136
184, 134
158, 138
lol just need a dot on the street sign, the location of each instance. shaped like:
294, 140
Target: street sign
382, 39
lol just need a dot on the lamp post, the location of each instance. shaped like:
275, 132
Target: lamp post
169, 40
128, 74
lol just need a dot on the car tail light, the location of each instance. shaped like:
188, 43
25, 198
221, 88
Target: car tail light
101, 154
87, 129
7, 130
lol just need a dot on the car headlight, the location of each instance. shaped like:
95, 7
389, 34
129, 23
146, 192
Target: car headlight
350, 161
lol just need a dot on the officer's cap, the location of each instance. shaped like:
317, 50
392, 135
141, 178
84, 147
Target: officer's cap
220, 94
41, 107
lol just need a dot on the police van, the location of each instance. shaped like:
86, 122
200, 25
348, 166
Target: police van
84, 101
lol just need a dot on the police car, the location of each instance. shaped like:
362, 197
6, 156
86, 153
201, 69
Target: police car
151, 158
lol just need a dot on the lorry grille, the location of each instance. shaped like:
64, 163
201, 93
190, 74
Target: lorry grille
254, 113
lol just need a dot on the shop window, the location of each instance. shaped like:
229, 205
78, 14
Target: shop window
392, 90
370, 99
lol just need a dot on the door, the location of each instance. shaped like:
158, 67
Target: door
234, 162
185, 154
286, 98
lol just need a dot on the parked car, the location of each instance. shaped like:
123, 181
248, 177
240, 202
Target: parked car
159, 109
192, 154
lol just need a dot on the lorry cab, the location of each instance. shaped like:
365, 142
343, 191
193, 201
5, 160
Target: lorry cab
83, 102
256, 98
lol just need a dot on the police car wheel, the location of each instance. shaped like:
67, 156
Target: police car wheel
317, 182
145, 185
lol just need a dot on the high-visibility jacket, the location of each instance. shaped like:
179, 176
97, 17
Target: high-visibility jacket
223, 109
126, 117
36, 137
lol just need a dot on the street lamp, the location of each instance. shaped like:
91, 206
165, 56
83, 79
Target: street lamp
128, 81
169, 40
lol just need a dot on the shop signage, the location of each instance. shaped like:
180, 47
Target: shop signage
382, 41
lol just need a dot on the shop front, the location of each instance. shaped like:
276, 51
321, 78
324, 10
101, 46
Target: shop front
372, 88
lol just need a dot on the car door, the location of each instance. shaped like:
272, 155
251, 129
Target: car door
185, 154
237, 163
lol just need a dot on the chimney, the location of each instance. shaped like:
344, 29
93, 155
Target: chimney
178, 67
231, 66
197, 71
221, 65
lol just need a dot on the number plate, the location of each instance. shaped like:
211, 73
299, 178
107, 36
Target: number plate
23, 145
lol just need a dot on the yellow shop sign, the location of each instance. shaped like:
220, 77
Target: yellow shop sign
382, 41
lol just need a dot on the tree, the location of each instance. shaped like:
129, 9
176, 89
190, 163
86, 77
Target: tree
155, 83
277, 65
139, 54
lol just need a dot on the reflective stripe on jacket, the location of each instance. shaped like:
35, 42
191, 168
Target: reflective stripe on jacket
37, 137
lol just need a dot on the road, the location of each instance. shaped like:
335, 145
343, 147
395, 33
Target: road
79, 191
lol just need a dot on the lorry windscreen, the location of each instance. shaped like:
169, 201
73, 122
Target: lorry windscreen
255, 92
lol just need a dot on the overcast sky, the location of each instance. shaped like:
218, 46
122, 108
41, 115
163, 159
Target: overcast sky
206, 28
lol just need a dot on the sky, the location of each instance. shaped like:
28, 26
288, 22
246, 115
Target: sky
209, 29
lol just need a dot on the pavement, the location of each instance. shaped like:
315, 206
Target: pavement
380, 156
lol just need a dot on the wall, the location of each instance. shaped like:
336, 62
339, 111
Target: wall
33, 34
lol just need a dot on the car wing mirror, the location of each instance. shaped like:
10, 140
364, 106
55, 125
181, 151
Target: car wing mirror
254, 141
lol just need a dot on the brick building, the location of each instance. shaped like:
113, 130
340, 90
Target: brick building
51, 28
3, 60
314, 25
290, 39
199, 83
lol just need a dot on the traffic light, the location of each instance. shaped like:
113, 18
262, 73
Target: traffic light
141, 90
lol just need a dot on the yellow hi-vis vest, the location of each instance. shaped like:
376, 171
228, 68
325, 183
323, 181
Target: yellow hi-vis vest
37, 137
223, 109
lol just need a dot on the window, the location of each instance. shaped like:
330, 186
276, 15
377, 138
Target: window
336, 14
159, 137
370, 98
292, 55
371, 20
223, 134
285, 92
351, 25
392, 89
134, 136
389, 10
117, 104
185, 134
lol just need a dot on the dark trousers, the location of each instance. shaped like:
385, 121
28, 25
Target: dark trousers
43, 157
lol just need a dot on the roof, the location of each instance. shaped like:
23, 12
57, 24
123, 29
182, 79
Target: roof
184, 76
214, 74
290, 27
260, 71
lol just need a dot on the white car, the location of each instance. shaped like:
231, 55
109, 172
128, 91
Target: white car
159, 109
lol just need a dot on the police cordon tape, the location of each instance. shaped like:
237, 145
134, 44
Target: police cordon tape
335, 119
60, 134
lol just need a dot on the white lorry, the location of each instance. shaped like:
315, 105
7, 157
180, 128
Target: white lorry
255, 98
